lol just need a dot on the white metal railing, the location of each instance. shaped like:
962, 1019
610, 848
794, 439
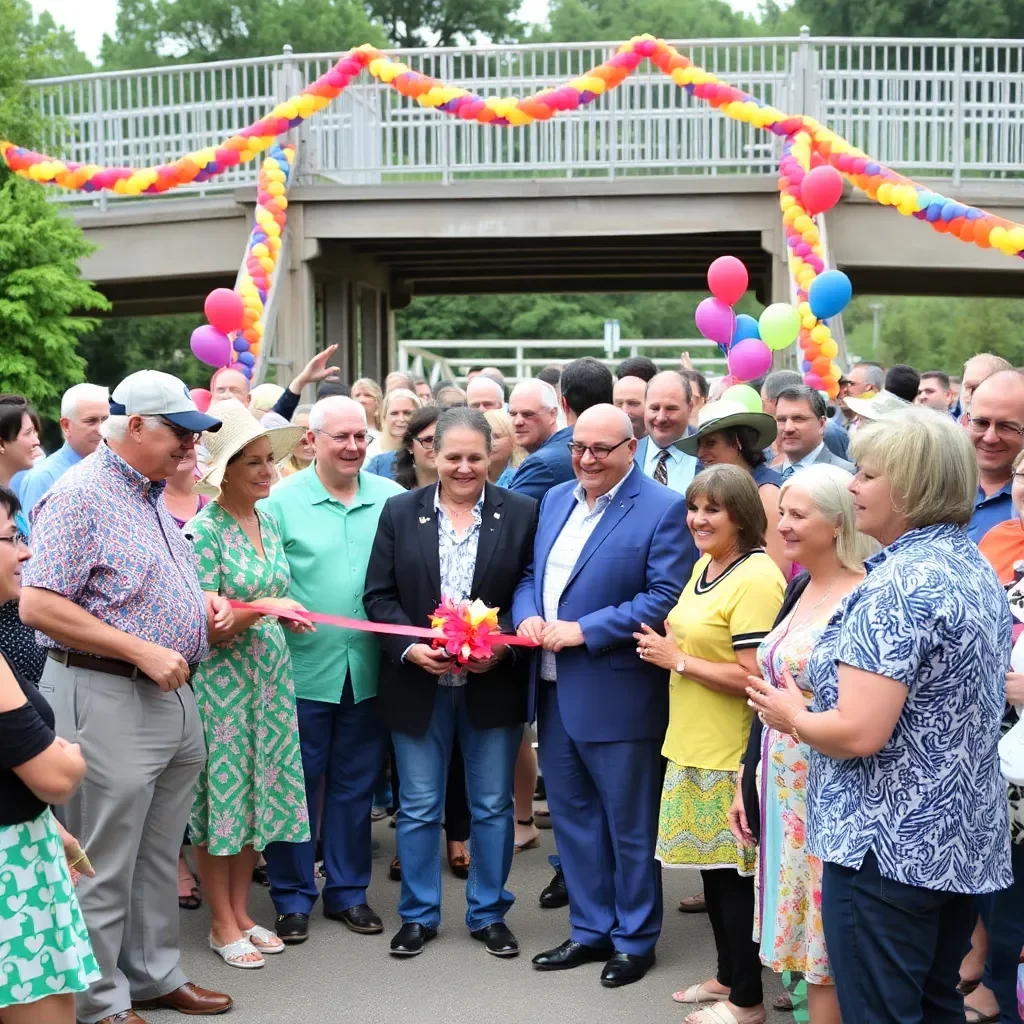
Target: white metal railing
451, 360
933, 106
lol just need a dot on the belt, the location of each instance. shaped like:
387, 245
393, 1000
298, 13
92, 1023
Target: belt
111, 666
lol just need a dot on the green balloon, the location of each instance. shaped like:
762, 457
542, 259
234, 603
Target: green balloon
779, 325
744, 395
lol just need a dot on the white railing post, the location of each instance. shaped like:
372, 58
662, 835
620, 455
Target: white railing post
959, 84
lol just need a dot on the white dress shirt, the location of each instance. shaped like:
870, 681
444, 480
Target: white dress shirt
788, 468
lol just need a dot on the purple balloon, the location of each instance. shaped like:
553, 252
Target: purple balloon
716, 321
211, 346
749, 359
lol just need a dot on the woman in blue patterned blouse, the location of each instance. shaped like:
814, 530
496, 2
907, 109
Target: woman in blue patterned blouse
906, 805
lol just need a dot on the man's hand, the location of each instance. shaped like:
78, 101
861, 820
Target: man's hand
435, 660
219, 614
168, 669
316, 370
559, 634
479, 665
532, 628
685, 362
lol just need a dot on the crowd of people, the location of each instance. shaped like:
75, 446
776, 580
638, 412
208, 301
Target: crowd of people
769, 645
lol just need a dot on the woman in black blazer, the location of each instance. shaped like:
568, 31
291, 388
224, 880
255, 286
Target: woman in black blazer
463, 539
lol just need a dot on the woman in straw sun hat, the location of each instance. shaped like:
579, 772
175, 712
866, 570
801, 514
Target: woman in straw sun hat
252, 790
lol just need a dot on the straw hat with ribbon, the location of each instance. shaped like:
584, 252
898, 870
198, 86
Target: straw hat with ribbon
239, 428
876, 406
725, 413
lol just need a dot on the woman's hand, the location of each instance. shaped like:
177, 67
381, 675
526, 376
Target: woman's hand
287, 604
655, 649
776, 708
1015, 688
738, 824
78, 863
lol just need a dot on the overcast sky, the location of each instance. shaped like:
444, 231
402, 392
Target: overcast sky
89, 20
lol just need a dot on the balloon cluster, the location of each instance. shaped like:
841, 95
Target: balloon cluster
234, 333
746, 343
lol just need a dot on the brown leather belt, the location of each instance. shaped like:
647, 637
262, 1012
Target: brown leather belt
111, 666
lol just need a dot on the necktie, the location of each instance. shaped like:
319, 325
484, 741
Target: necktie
788, 472
660, 470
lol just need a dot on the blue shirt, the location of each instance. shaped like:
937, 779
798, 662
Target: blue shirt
837, 440
506, 476
45, 473
679, 466
990, 511
382, 464
931, 803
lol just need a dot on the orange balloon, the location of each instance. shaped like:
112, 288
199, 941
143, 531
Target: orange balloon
831, 387
821, 366
942, 226
966, 230
981, 231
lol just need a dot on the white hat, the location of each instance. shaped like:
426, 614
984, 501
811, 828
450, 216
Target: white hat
152, 393
240, 428
876, 406
726, 413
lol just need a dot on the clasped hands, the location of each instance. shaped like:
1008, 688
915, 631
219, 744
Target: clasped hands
437, 661
552, 636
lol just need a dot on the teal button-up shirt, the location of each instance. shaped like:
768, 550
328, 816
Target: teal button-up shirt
328, 547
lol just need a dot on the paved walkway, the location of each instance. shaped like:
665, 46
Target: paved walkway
341, 977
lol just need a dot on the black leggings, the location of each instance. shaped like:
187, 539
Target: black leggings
456, 806
730, 901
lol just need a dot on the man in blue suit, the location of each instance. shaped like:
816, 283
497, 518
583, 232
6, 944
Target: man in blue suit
611, 552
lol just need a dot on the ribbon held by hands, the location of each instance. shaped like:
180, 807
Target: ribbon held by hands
466, 630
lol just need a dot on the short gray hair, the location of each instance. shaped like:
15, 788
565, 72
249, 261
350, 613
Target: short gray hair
482, 378
929, 461
461, 416
115, 428
548, 395
802, 393
78, 393
874, 374
675, 377
779, 381
333, 403
303, 410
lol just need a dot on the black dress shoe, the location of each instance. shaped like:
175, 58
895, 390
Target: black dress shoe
555, 894
411, 939
625, 968
570, 954
292, 928
498, 940
361, 919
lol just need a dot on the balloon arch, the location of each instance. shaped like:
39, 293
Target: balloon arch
814, 162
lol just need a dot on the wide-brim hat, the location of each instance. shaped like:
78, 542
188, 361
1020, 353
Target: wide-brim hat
724, 413
877, 406
239, 428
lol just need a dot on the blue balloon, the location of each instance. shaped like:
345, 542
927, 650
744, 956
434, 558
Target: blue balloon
805, 367
746, 327
830, 294
246, 358
240, 344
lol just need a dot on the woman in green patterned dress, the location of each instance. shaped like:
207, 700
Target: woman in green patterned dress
45, 955
251, 791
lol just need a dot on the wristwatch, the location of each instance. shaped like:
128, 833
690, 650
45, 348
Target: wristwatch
681, 666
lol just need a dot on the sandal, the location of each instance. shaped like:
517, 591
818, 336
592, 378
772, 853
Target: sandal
531, 843
264, 940
980, 1017
459, 863
783, 1002
233, 953
189, 898
693, 904
719, 1013
967, 985
697, 994
395, 871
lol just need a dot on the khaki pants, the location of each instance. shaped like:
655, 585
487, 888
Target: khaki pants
144, 749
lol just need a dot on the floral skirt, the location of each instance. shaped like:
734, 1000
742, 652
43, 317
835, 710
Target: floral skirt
693, 830
44, 945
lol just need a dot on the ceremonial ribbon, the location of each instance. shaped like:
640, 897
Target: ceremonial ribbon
422, 632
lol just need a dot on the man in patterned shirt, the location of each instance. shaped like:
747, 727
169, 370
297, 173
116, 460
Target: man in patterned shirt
114, 594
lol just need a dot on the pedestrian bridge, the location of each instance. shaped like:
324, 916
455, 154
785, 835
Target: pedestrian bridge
638, 191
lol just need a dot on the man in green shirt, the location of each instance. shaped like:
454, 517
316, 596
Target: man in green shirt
328, 518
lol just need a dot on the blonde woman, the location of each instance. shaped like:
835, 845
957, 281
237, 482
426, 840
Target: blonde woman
506, 455
817, 528
368, 394
302, 456
396, 411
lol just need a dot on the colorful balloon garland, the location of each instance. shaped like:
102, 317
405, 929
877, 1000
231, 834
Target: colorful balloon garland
807, 142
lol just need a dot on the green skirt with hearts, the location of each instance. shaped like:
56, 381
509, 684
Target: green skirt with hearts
44, 945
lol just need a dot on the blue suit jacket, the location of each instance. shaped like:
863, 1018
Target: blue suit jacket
382, 464
631, 570
550, 464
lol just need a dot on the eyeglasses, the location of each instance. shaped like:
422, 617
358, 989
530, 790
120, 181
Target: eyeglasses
17, 541
359, 438
599, 451
180, 432
1007, 431
427, 443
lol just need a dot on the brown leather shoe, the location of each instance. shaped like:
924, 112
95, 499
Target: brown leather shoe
190, 999
124, 1017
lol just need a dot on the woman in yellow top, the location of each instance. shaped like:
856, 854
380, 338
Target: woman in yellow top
723, 614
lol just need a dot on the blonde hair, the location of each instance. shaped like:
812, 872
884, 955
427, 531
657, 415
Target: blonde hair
501, 426
928, 460
369, 384
828, 487
733, 489
387, 442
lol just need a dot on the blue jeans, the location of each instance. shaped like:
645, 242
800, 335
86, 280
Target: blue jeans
1003, 914
895, 949
343, 747
490, 758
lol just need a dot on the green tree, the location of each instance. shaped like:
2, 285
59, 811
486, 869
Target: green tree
582, 20
990, 19
442, 22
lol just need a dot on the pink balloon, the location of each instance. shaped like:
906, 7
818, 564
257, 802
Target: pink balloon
224, 310
821, 189
728, 279
201, 397
210, 346
716, 321
749, 359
